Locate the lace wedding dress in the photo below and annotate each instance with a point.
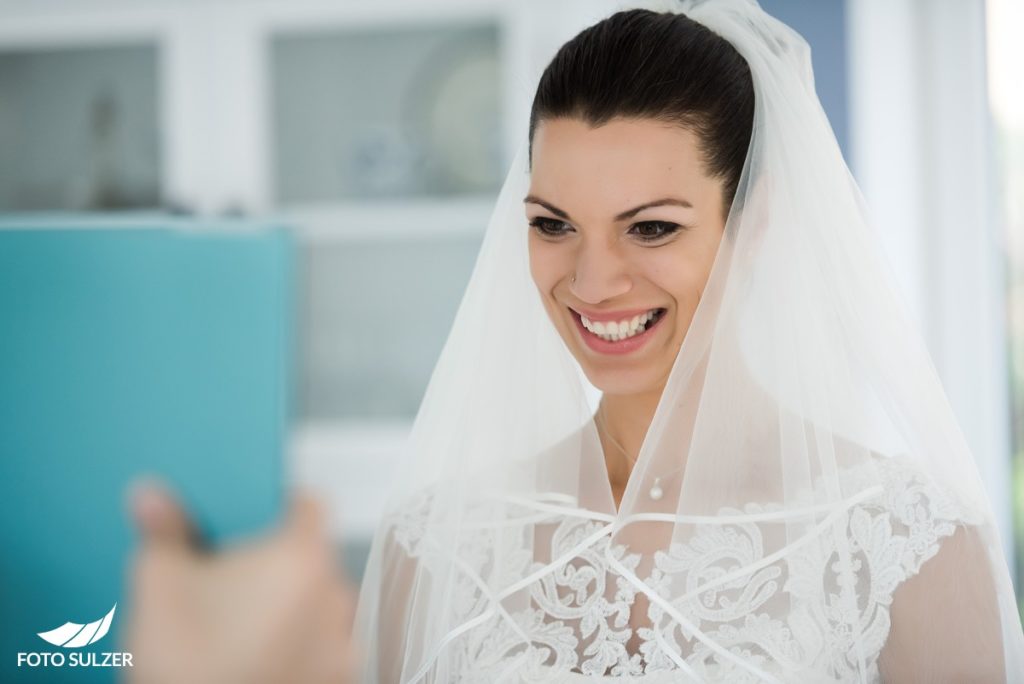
(582, 616)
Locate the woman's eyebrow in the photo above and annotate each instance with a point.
(533, 199)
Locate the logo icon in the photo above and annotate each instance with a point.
(74, 635)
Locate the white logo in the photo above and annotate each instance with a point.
(73, 635)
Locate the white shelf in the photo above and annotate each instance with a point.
(390, 220)
(215, 123)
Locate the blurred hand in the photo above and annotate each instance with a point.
(266, 610)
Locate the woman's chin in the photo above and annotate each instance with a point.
(624, 381)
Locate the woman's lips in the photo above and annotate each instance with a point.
(626, 346)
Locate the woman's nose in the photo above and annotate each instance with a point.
(601, 273)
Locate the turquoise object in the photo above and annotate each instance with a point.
(130, 345)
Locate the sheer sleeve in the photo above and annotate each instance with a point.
(946, 624)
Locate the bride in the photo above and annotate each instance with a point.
(771, 486)
(682, 429)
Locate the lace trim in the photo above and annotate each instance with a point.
(800, 615)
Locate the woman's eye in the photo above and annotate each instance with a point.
(548, 227)
(654, 230)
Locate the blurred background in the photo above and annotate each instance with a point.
(234, 234)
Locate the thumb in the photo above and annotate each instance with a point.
(159, 517)
(307, 513)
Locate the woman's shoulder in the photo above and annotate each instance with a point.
(907, 510)
(481, 492)
(942, 615)
(912, 492)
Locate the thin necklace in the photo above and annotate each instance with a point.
(655, 490)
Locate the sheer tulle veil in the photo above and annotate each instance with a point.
(818, 501)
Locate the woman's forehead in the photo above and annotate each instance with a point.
(632, 139)
(625, 160)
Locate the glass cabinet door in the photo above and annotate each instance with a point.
(385, 113)
(375, 315)
(79, 129)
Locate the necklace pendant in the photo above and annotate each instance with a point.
(656, 492)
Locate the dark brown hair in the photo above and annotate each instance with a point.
(659, 65)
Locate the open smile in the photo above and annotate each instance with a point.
(618, 336)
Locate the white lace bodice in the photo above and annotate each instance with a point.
(791, 615)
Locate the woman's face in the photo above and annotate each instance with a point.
(628, 210)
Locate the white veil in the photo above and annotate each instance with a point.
(821, 516)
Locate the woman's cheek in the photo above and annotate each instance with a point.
(545, 267)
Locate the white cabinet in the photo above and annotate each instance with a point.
(380, 131)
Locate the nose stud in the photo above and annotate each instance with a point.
(573, 278)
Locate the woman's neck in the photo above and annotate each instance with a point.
(623, 420)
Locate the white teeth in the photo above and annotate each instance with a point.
(614, 331)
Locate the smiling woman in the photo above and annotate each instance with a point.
(599, 270)
(614, 256)
(772, 486)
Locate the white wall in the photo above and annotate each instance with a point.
(921, 132)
